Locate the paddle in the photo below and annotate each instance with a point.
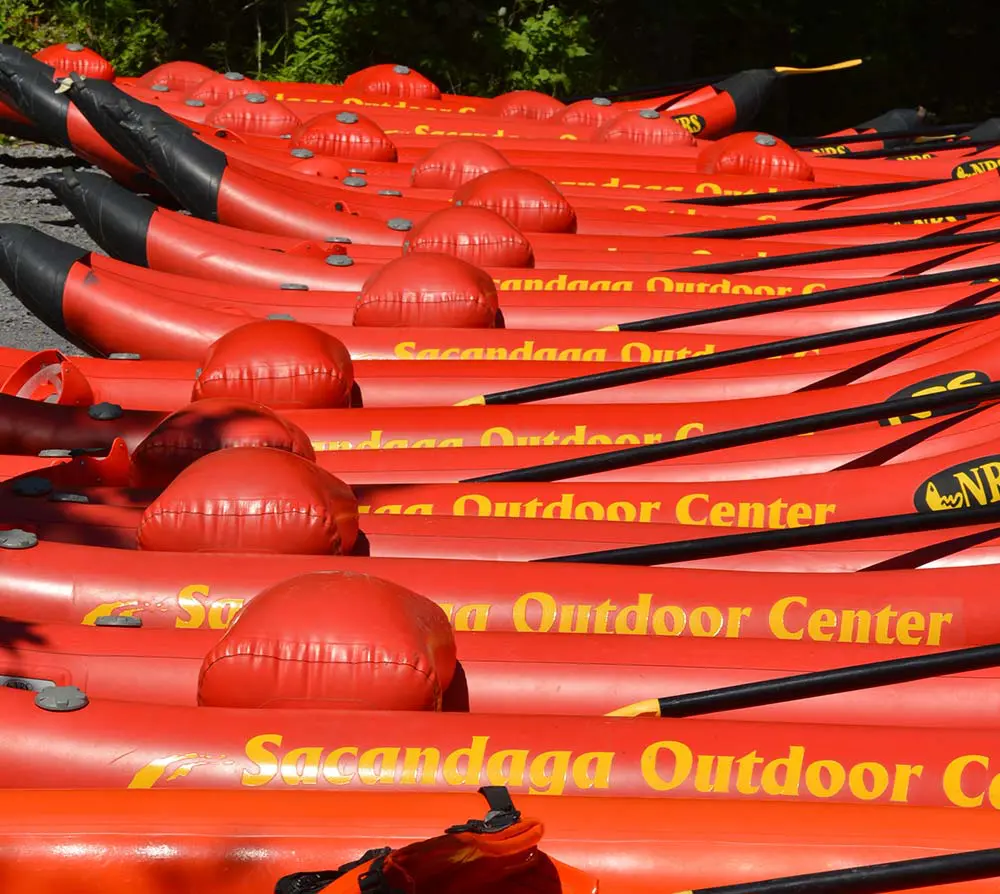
(821, 298)
(763, 541)
(629, 457)
(815, 684)
(647, 372)
(788, 70)
(877, 136)
(923, 147)
(843, 253)
(875, 878)
(816, 192)
(896, 215)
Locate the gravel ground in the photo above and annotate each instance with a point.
(23, 201)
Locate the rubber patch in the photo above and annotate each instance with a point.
(61, 699)
(15, 538)
(105, 411)
(118, 621)
(60, 496)
(31, 486)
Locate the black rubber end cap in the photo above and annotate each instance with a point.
(988, 130)
(28, 86)
(116, 116)
(116, 219)
(35, 267)
(896, 119)
(749, 91)
(151, 139)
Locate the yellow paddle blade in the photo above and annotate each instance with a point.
(837, 66)
(648, 708)
(478, 401)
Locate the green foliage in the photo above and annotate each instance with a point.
(129, 35)
(931, 53)
(547, 49)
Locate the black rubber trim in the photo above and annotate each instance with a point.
(35, 267)
(116, 219)
(749, 91)
(147, 136)
(988, 130)
(28, 86)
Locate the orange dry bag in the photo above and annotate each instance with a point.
(495, 855)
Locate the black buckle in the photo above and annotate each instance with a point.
(501, 815)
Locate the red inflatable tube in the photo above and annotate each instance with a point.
(788, 457)
(33, 426)
(511, 673)
(246, 201)
(169, 238)
(547, 310)
(964, 478)
(108, 321)
(596, 174)
(947, 608)
(113, 744)
(387, 534)
(168, 385)
(953, 480)
(641, 252)
(589, 309)
(124, 842)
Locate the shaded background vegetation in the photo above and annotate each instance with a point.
(943, 55)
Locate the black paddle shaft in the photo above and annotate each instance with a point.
(898, 215)
(763, 541)
(877, 878)
(628, 457)
(830, 682)
(648, 372)
(764, 306)
(844, 253)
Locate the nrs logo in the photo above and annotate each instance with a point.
(948, 382)
(968, 485)
(693, 124)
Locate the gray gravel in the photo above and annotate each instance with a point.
(21, 201)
